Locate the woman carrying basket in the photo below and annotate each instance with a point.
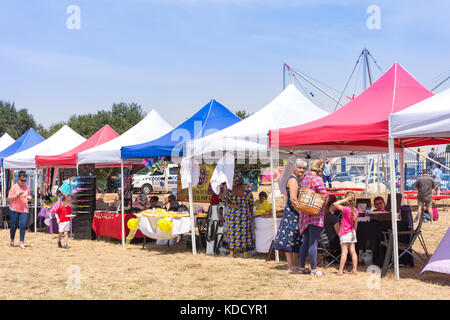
(311, 225)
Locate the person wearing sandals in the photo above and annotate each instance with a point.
(311, 226)
(239, 202)
(288, 237)
(347, 234)
(18, 197)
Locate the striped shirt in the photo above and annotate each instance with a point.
(317, 186)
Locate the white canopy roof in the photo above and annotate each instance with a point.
(5, 141)
(289, 108)
(151, 127)
(428, 118)
(63, 140)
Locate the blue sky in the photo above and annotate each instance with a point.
(175, 55)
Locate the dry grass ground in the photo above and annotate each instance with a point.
(110, 271)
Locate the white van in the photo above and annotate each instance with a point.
(145, 182)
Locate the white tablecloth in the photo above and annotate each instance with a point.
(264, 233)
(149, 227)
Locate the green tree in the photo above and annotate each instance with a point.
(15, 122)
(242, 114)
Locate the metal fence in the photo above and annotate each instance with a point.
(375, 167)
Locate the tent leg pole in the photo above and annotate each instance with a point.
(394, 207)
(191, 214)
(122, 202)
(274, 214)
(4, 187)
(402, 174)
(35, 199)
(367, 175)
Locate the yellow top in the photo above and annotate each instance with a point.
(262, 207)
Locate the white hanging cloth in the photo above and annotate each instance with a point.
(189, 172)
(223, 172)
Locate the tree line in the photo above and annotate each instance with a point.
(121, 117)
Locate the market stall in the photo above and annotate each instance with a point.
(248, 140)
(61, 141)
(29, 139)
(210, 118)
(361, 125)
(108, 154)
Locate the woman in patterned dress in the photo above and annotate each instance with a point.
(288, 237)
(311, 226)
(239, 202)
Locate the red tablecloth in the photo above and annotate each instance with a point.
(109, 224)
(435, 197)
(346, 189)
(337, 194)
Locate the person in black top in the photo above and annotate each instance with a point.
(332, 223)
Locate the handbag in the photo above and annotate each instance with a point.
(311, 202)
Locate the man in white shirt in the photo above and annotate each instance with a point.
(437, 176)
(327, 173)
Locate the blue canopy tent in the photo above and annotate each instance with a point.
(26, 141)
(209, 119)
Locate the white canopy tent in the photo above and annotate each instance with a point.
(5, 141)
(63, 140)
(108, 154)
(424, 123)
(248, 139)
(289, 108)
(151, 127)
(428, 118)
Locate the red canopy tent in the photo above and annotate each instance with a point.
(362, 125)
(70, 158)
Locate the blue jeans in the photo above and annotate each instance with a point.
(20, 219)
(310, 242)
(325, 179)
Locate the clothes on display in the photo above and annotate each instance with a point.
(223, 172)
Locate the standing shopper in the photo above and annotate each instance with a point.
(327, 173)
(288, 237)
(437, 176)
(18, 197)
(424, 185)
(239, 202)
(311, 226)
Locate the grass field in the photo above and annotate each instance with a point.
(109, 271)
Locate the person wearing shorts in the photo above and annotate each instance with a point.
(62, 214)
(424, 185)
(347, 233)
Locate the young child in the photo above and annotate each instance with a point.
(262, 206)
(63, 221)
(347, 233)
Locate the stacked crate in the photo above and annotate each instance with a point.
(83, 206)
